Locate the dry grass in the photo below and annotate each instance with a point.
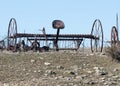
(22, 68)
(114, 52)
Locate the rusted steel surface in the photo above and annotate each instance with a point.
(2, 44)
(18, 35)
(60, 39)
(58, 24)
(114, 36)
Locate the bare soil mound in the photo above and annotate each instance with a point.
(58, 69)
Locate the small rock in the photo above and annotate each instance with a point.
(86, 81)
(107, 83)
(35, 71)
(109, 79)
(97, 72)
(72, 73)
(114, 83)
(24, 69)
(71, 84)
(84, 64)
(78, 77)
(116, 70)
(58, 85)
(50, 72)
(76, 85)
(60, 67)
(101, 68)
(41, 58)
(89, 72)
(6, 84)
(102, 79)
(56, 78)
(75, 67)
(87, 54)
(27, 74)
(91, 54)
(83, 76)
(90, 82)
(110, 75)
(32, 61)
(60, 77)
(68, 78)
(115, 77)
(103, 72)
(47, 63)
(39, 71)
(29, 70)
(119, 79)
(100, 71)
(46, 75)
(96, 68)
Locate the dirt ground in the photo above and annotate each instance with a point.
(63, 68)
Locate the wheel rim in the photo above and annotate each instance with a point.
(97, 32)
(114, 36)
(12, 31)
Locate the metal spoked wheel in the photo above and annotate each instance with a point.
(12, 31)
(114, 36)
(97, 32)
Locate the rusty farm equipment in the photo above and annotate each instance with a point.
(115, 34)
(45, 42)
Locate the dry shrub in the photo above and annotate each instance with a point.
(114, 52)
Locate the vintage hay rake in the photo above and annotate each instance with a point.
(55, 41)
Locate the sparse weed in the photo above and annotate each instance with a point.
(114, 52)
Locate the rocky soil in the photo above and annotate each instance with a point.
(64, 68)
